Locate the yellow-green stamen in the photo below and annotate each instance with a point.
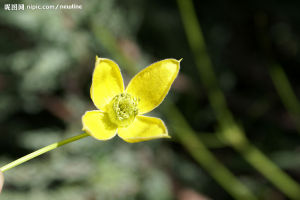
(123, 109)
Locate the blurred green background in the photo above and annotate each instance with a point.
(233, 112)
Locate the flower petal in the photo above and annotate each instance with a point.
(152, 84)
(107, 82)
(97, 124)
(144, 128)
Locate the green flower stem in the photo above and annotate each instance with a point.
(41, 151)
(230, 130)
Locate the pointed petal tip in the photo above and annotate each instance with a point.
(97, 61)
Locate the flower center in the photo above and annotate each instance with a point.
(123, 109)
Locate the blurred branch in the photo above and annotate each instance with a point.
(204, 157)
(183, 131)
(279, 77)
(286, 92)
(229, 129)
(211, 140)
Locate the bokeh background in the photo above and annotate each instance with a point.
(233, 112)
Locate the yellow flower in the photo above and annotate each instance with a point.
(120, 111)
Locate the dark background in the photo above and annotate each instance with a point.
(46, 63)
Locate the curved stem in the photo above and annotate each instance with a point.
(41, 151)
